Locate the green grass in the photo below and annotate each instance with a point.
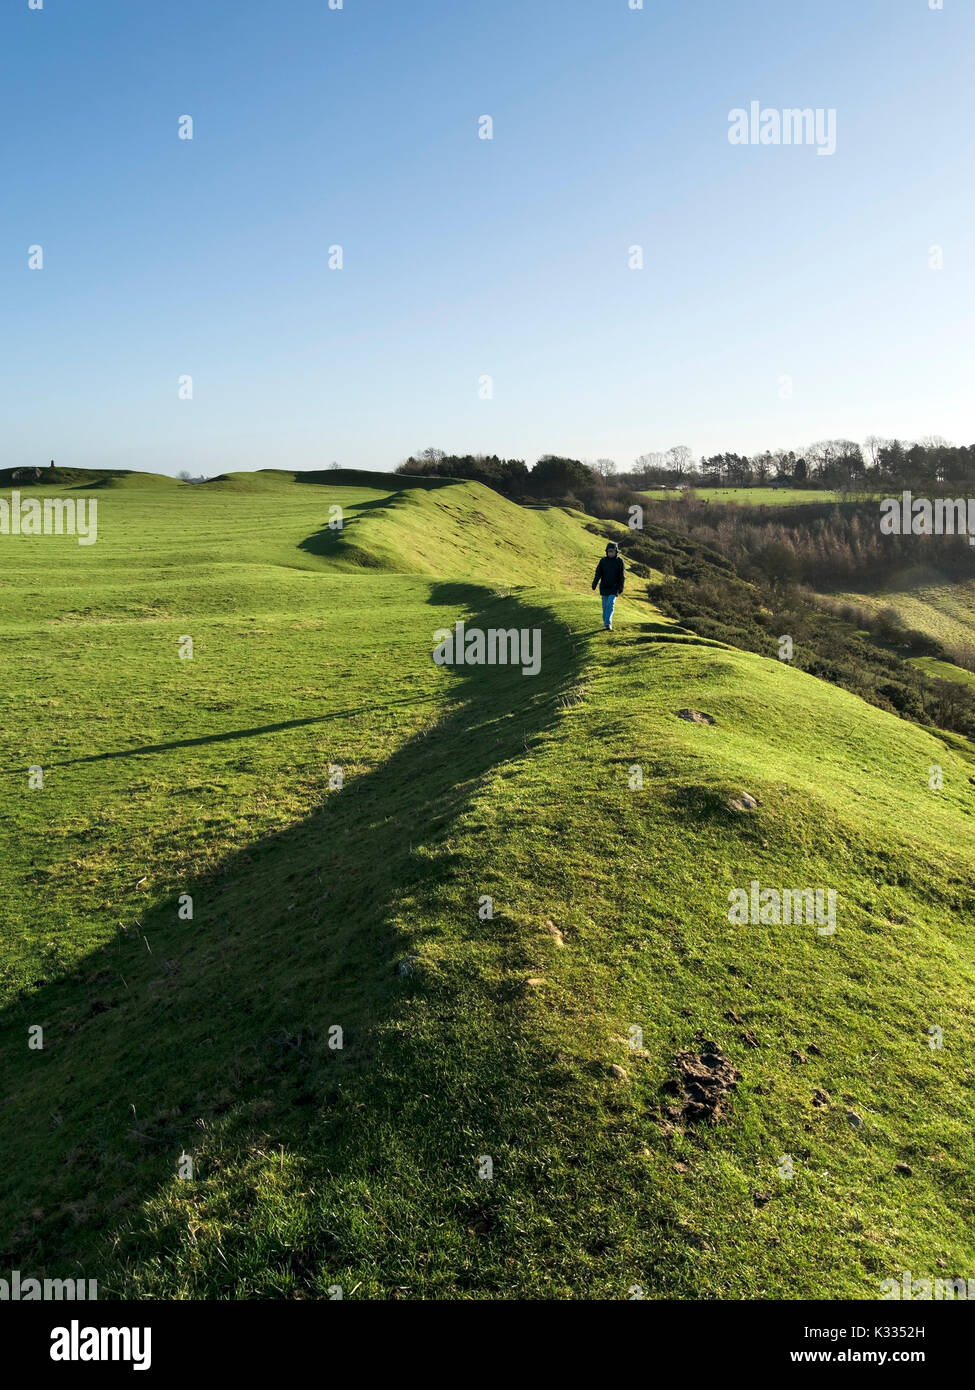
(359, 1167)
(752, 496)
(943, 670)
(927, 602)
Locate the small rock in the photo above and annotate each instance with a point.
(761, 1198)
(797, 1056)
(618, 1072)
(745, 802)
(535, 982)
(680, 1167)
(695, 716)
(904, 1169)
(820, 1097)
(855, 1120)
(554, 932)
(813, 1050)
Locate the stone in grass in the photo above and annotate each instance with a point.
(855, 1120)
(617, 1072)
(905, 1170)
(695, 716)
(744, 802)
(407, 966)
(553, 931)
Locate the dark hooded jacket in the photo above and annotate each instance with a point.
(609, 575)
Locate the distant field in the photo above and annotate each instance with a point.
(943, 670)
(927, 603)
(946, 611)
(752, 496)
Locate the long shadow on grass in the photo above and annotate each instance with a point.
(230, 735)
(212, 1036)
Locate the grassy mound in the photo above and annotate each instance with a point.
(88, 478)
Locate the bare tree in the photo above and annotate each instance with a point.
(655, 459)
(679, 458)
(762, 464)
(872, 446)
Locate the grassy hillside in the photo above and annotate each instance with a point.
(944, 670)
(929, 603)
(466, 1036)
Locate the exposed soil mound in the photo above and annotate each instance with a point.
(704, 1082)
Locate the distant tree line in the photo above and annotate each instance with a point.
(928, 467)
(836, 464)
(551, 478)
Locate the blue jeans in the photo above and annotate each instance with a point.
(609, 603)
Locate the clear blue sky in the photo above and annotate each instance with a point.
(466, 257)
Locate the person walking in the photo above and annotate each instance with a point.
(610, 576)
